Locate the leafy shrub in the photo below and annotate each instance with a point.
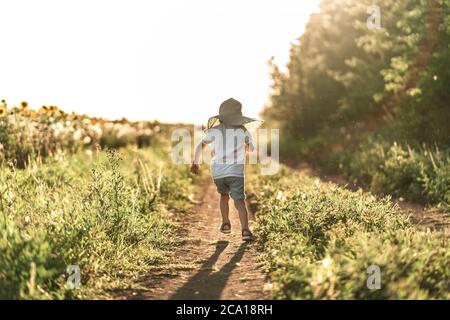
(340, 78)
(421, 175)
(318, 241)
(91, 211)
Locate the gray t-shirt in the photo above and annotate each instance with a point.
(228, 150)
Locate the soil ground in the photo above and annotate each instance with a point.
(208, 264)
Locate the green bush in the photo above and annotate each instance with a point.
(421, 175)
(96, 212)
(340, 78)
(318, 241)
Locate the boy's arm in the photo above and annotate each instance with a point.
(249, 146)
(195, 168)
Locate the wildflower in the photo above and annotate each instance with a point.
(87, 140)
(280, 196)
(326, 262)
(54, 214)
(59, 126)
(77, 135)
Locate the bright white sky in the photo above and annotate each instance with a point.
(171, 60)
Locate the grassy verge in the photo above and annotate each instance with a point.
(421, 175)
(319, 240)
(107, 213)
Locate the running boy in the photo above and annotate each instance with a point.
(229, 141)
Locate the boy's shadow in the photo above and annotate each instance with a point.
(206, 284)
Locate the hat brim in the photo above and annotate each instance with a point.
(233, 120)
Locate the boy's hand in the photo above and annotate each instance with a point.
(195, 168)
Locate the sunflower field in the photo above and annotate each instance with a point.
(27, 134)
(86, 195)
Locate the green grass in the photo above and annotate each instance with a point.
(420, 175)
(318, 240)
(108, 213)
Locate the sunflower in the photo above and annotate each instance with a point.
(72, 116)
(23, 105)
(53, 110)
(2, 111)
(43, 110)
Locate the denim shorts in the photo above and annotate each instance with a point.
(234, 186)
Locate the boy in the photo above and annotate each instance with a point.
(230, 141)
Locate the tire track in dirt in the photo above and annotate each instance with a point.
(216, 266)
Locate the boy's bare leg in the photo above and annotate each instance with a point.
(243, 216)
(224, 208)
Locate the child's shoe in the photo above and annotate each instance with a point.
(247, 235)
(225, 227)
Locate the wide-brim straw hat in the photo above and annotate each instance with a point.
(230, 113)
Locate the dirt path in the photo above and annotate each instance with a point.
(209, 264)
